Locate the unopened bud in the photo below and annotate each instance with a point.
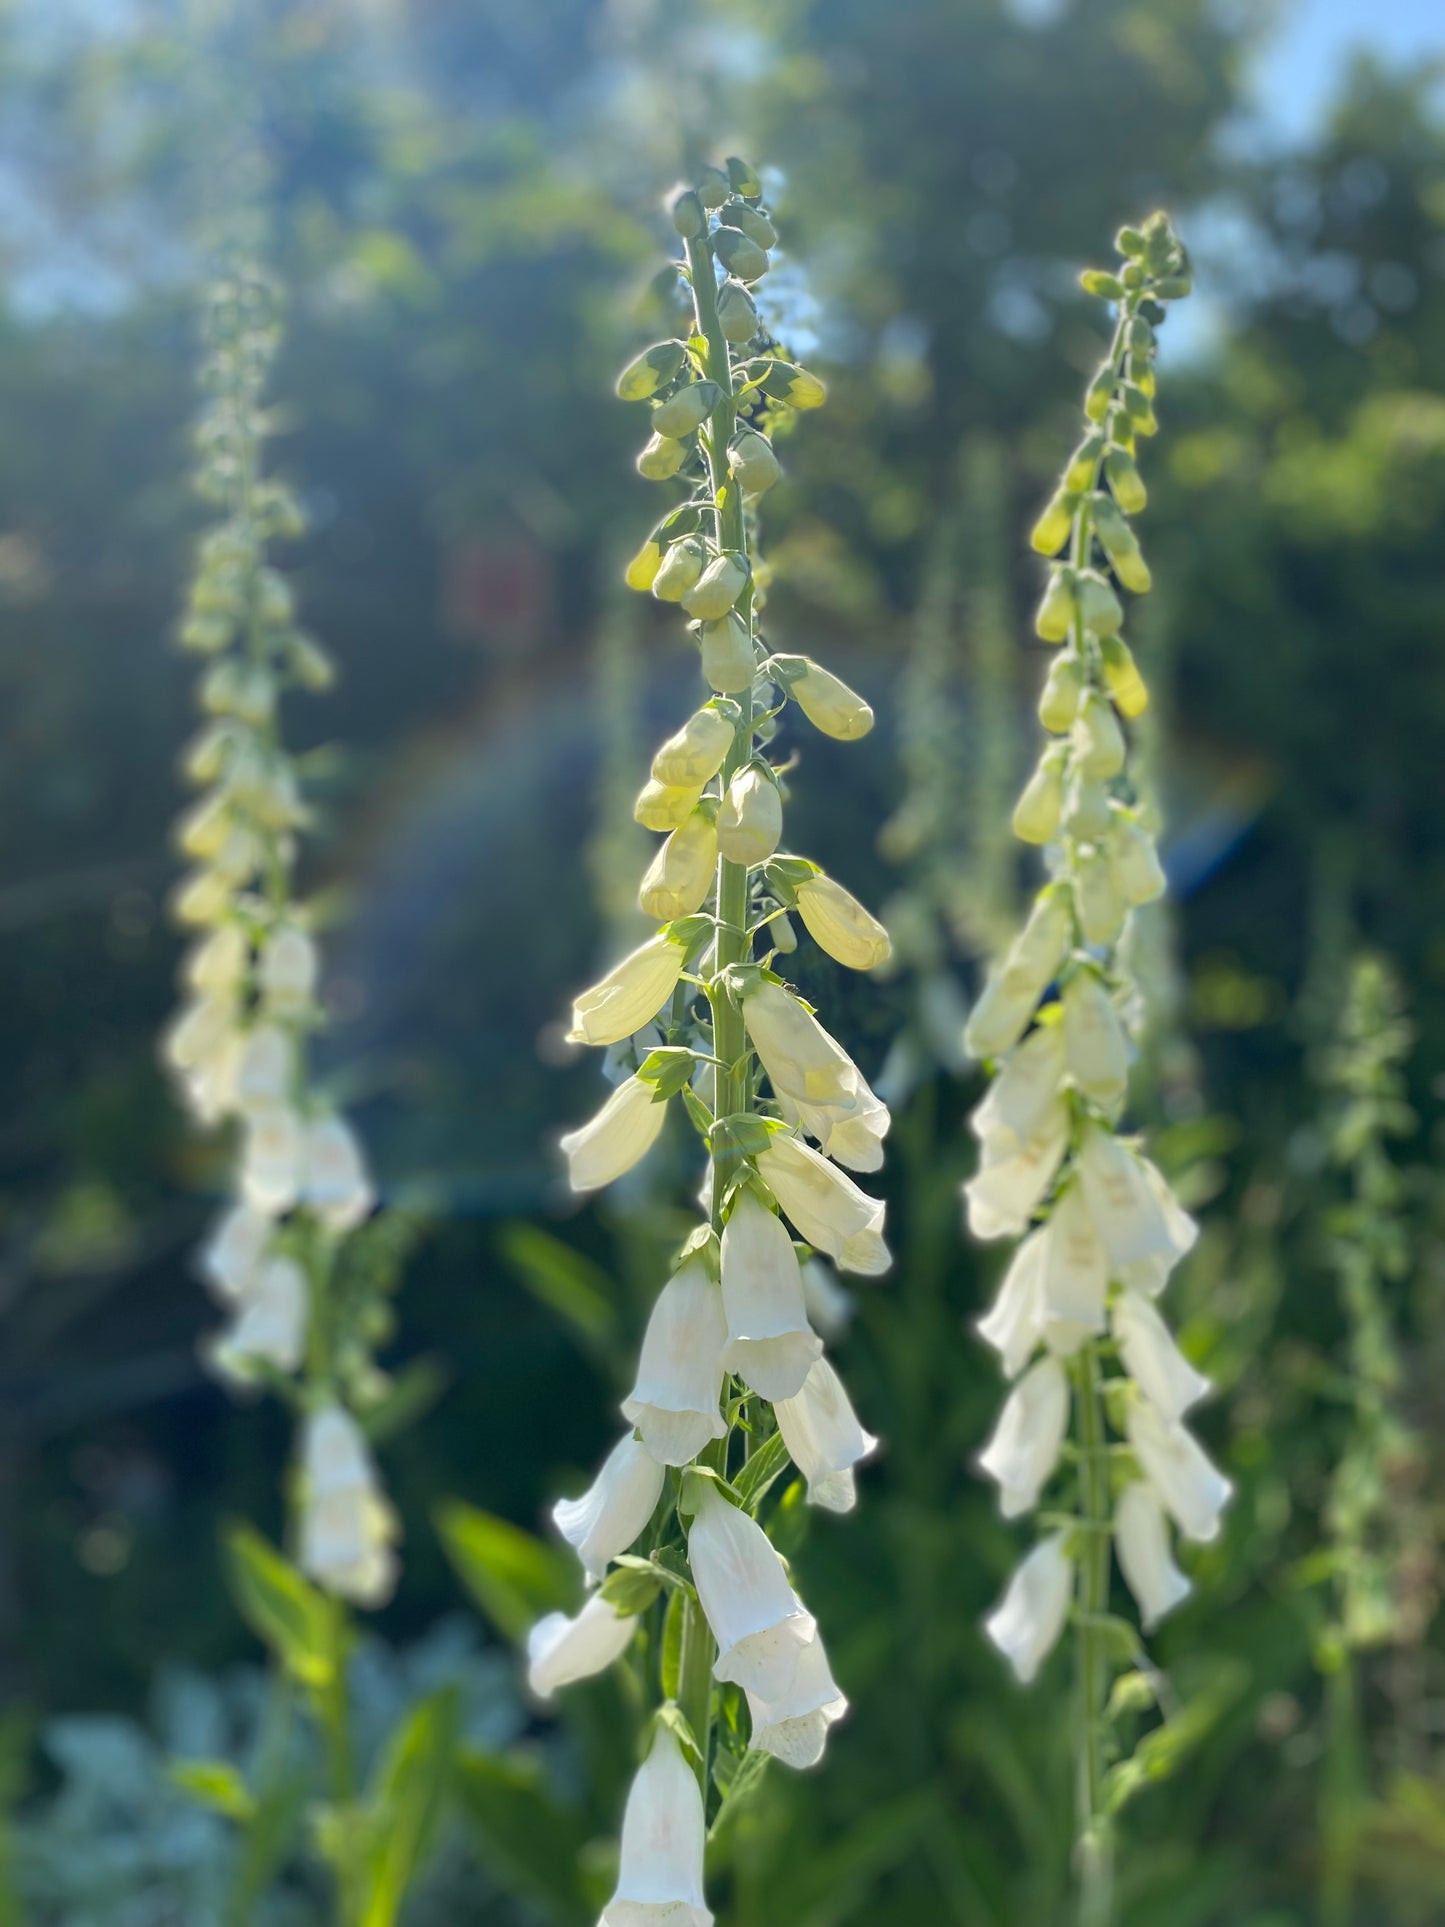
(687, 410)
(713, 187)
(688, 215)
(1122, 678)
(206, 635)
(697, 751)
(1059, 698)
(751, 221)
(1136, 861)
(1037, 812)
(681, 567)
(681, 874)
(781, 934)
(1130, 241)
(717, 588)
(661, 458)
(750, 822)
(739, 255)
(1121, 546)
(641, 571)
(787, 382)
(736, 312)
(1099, 745)
(1124, 479)
(1100, 608)
(1097, 281)
(1087, 808)
(1084, 464)
(1140, 407)
(659, 806)
(1099, 394)
(742, 178)
(827, 702)
(651, 370)
(752, 461)
(1052, 530)
(728, 656)
(1098, 899)
(1055, 614)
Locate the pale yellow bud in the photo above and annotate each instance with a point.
(203, 897)
(203, 830)
(1098, 897)
(1088, 813)
(685, 411)
(1037, 812)
(717, 588)
(660, 808)
(1136, 860)
(630, 995)
(737, 312)
(839, 924)
(661, 458)
(829, 704)
(752, 462)
(1012, 993)
(1059, 699)
(750, 822)
(695, 753)
(681, 874)
(680, 568)
(1122, 678)
(728, 657)
(1098, 740)
(641, 571)
(219, 963)
(1096, 1052)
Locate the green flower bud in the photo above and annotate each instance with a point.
(1173, 287)
(1059, 698)
(681, 567)
(1133, 276)
(1121, 546)
(1130, 241)
(688, 215)
(752, 461)
(742, 178)
(1101, 609)
(785, 381)
(1141, 408)
(1140, 336)
(728, 656)
(1037, 812)
(1084, 464)
(739, 255)
(641, 571)
(717, 588)
(206, 634)
(1054, 526)
(308, 662)
(750, 221)
(1124, 478)
(651, 370)
(825, 699)
(1100, 393)
(1122, 678)
(737, 312)
(206, 755)
(1120, 427)
(1136, 861)
(1087, 809)
(661, 458)
(1098, 281)
(782, 936)
(687, 410)
(713, 187)
(1055, 615)
(1099, 746)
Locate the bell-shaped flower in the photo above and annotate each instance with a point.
(770, 1344)
(1075, 1276)
(717, 588)
(1026, 1623)
(1098, 899)
(338, 1185)
(290, 965)
(199, 1030)
(696, 753)
(853, 1137)
(217, 965)
(1029, 1435)
(1192, 1488)
(1127, 1212)
(759, 1625)
(348, 1528)
(1152, 1359)
(1136, 861)
(830, 1305)
(270, 1325)
(674, 1403)
(1098, 1055)
(610, 1514)
(802, 1061)
(265, 1071)
(839, 924)
(1023, 1093)
(827, 1209)
(1141, 1539)
(1007, 1190)
(827, 702)
(1012, 993)
(660, 808)
(1150, 1275)
(823, 1437)
(619, 1136)
(729, 659)
(231, 1256)
(630, 995)
(794, 1729)
(681, 874)
(659, 1878)
(1013, 1325)
(561, 1650)
(750, 822)
(273, 1160)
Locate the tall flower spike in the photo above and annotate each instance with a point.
(1101, 1231)
(731, 1367)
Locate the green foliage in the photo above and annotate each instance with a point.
(513, 1577)
(299, 1624)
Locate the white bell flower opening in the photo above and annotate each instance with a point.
(1013, 1325)
(1191, 1487)
(674, 1403)
(851, 1137)
(827, 1209)
(1097, 1050)
(1153, 1359)
(659, 1878)
(1026, 1088)
(1150, 1275)
(794, 1729)
(270, 1325)
(823, 1437)
(348, 1528)
(759, 1625)
(1075, 1278)
(618, 1137)
(1007, 1189)
(1141, 1539)
(802, 1061)
(273, 1160)
(563, 1649)
(231, 1256)
(337, 1185)
(1127, 1214)
(630, 995)
(610, 1514)
(1027, 1440)
(770, 1344)
(1026, 1623)
(838, 923)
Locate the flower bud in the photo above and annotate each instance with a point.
(752, 221)
(1026, 1623)
(608, 1517)
(681, 874)
(787, 382)
(1098, 897)
(1122, 678)
(839, 924)
(740, 256)
(1138, 395)
(630, 995)
(618, 1137)
(1099, 394)
(1136, 860)
(752, 461)
(206, 755)
(661, 458)
(1106, 286)
(641, 571)
(561, 1651)
(1101, 609)
(1099, 747)
(750, 822)
(1124, 479)
(828, 703)
(717, 588)
(1097, 1054)
(688, 217)
(289, 968)
(659, 807)
(686, 410)
(688, 759)
(1088, 808)
(651, 370)
(1025, 1446)
(713, 187)
(681, 566)
(737, 312)
(1121, 546)
(1055, 615)
(1037, 812)
(1059, 698)
(203, 830)
(782, 935)
(1012, 992)
(1054, 526)
(729, 659)
(1083, 464)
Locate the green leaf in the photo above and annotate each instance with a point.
(296, 1621)
(671, 1658)
(1161, 1750)
(412, 1393)
(216, 1784)
(631, 1589)
(560, 1278)
(513, 1577)
(763, 1467)
(671, 1715)
(530, 1844)
(409, 1791)
(738, 1794)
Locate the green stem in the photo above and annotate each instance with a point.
(694, 1690)
(1342, 1794)
(1094, 1844)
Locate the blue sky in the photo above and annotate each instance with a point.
(1300, 68)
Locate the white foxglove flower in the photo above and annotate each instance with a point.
(759, 1625)
(1152, 1359)
(770, 1344)
(1021, 1097)
(802, 1061)
(1013, 1325)
(696, 753)
(829, 704)
(674, 1403)
(348, 1528)
(270, 1325)
(827, 1209)
(1025, 1445)
(1136, 861)
(681, 874)
(750, 822)
(610, 1514)
(659, 1879)
(829, 1306)
(1141, 1539)
(199, 1030)
(561, 1650)
(1008, 1189)
(1127, 1213)
(1150, 1275)
(630, 995)
(1012, 993)
(794, 1729)
(823, 1437)
(853, 1137)
(265, 1071)
(290, 966)
(839, 924)
(337, 1185)
(1098, 1054)
(1190, 1485)
(1075, 1277)
(619, 1136)
(1026, 1623)
(273, 1160)
(217, 965)
(232, 1254)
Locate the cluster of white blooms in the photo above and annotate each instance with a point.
(731, 1383)
(237, 1046)
(1076, 1321)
